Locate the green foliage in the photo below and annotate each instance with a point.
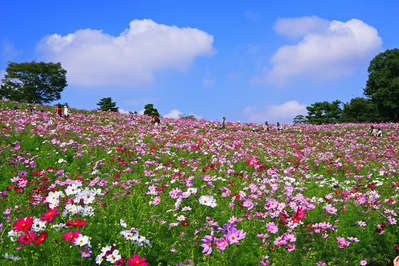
(299, 119)
(189, 117)
(33, 82)
(324, 112)
(150, 110)
(106, 104)
(383, 84)
(359, 110)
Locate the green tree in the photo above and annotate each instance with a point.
(324, 112)
(359, 110)
(189, 117)
(33, 82)
(106, 104)
(150, 110)
(383, 84)
(299, 119)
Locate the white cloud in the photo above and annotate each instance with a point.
(326, 50)
(122, 111)
(283, 113)
(299, 27)
(95, 58)
(175, 114)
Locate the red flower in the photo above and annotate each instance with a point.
(136, 261)
(75, 223)
(49, 215)
(23, 224)
(184, 223)
(70, 236)
(27, 237)
(40, 239)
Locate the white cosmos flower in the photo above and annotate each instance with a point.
(87, 211)
(72, 190)
(38, 225)
(192, 190)
(186, 208)
(122, 223)
(181, 218)
(114, 256)
(208, 201)
(82, 240)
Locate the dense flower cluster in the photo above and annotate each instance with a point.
(191, 188)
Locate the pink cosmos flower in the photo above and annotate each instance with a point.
(136, 260)
(221, 243)
(271, 227)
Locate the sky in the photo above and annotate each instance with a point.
(250, 61)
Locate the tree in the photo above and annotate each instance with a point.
(150, 110)
(189, 117)
(299, 119)
(33, 82)
(106, 104)
(382, 87)
(359, 110)
(324, 112)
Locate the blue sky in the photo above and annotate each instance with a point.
(250, 61)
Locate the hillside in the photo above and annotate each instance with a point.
(102, 187)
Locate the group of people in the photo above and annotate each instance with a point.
(62, 112)
(376, 132)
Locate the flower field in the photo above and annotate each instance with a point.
(103, 188)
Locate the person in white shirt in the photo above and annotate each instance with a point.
(66, 111)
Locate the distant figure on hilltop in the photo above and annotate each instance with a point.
(223, 122)
(155, 120)
(373, 131)
(58, 110)
(66, 111)
(266, 126)
(379, 132)
(279, 127)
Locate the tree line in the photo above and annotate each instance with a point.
(379, 104)
(39, 82)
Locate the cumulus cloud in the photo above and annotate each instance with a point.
(94, 58)
(175, 114)
(299, 27)
(326, 50)
(283, 113)
(122, 111)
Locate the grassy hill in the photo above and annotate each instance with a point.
(102, 187)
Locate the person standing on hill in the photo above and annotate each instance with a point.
(58, 110)
(155, 120)
(266, 126)
(279, 128)
(223, 122)
(379, 132)
(66, 111)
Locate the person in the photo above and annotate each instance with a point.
(156, 120)
(266, 126)
(279, 128)
(58, 110)
(131, 114)
(223, 122)
(371, 130)
(396, 261)
(66, 111)
(379, 132)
